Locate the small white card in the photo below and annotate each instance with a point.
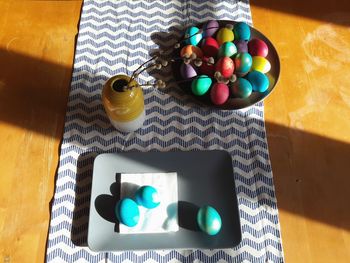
(164, 217)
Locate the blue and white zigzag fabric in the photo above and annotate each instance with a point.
(116, 37)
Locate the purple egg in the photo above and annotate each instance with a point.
(242, 46)
(210, 28)
(187, 71)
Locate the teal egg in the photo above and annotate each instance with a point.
(147, 196)
(241, 88)
(194, 37)
(201, 85)
(227, 49)
(209, 220)
(243, 62)
(241, 31)
(259, 81)
(127, 212)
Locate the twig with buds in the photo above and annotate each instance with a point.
(187, 59)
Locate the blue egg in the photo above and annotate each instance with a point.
(127, 212)
(241, 88)
(209, 220)
(194, 38)
(147, 196)
(241, 31)
(259, 81)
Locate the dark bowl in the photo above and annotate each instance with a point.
(233, 103)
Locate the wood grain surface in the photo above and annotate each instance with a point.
(308, 125)
(36, 55)
(307, 122)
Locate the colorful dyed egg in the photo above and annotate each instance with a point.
(241, 31)
(189, 50)
(224, 35)
(259, 81)
(219, 93)
(257, 47)
(241, 45)
(147, 196)
(209, 220)
(227, 49)
(187, 71)
(241, 88)
(201, 85)
(261, 64)
(225, 66)
(127, 212)
(243, 63)
(192, 36)
(210, 47)
(210, 28)
(207, 69)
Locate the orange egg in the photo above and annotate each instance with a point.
(190, 49)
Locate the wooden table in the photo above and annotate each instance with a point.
(307, 122)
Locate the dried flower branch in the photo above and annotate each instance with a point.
(135, 72)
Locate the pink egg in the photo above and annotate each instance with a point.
(219, 93)
(257, 47)
(225, 66)
(210, 47)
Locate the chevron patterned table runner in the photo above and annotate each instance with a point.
(116, 37)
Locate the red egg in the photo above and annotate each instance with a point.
(207, 69)
(210, 47)
(219, 93)
(225, 66)
(257, 47)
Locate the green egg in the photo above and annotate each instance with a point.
(209, 220)
(227, 49)
(201, 85)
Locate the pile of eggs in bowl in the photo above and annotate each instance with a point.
(224, 62)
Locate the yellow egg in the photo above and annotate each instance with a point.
(224, 35)
(261, 64)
